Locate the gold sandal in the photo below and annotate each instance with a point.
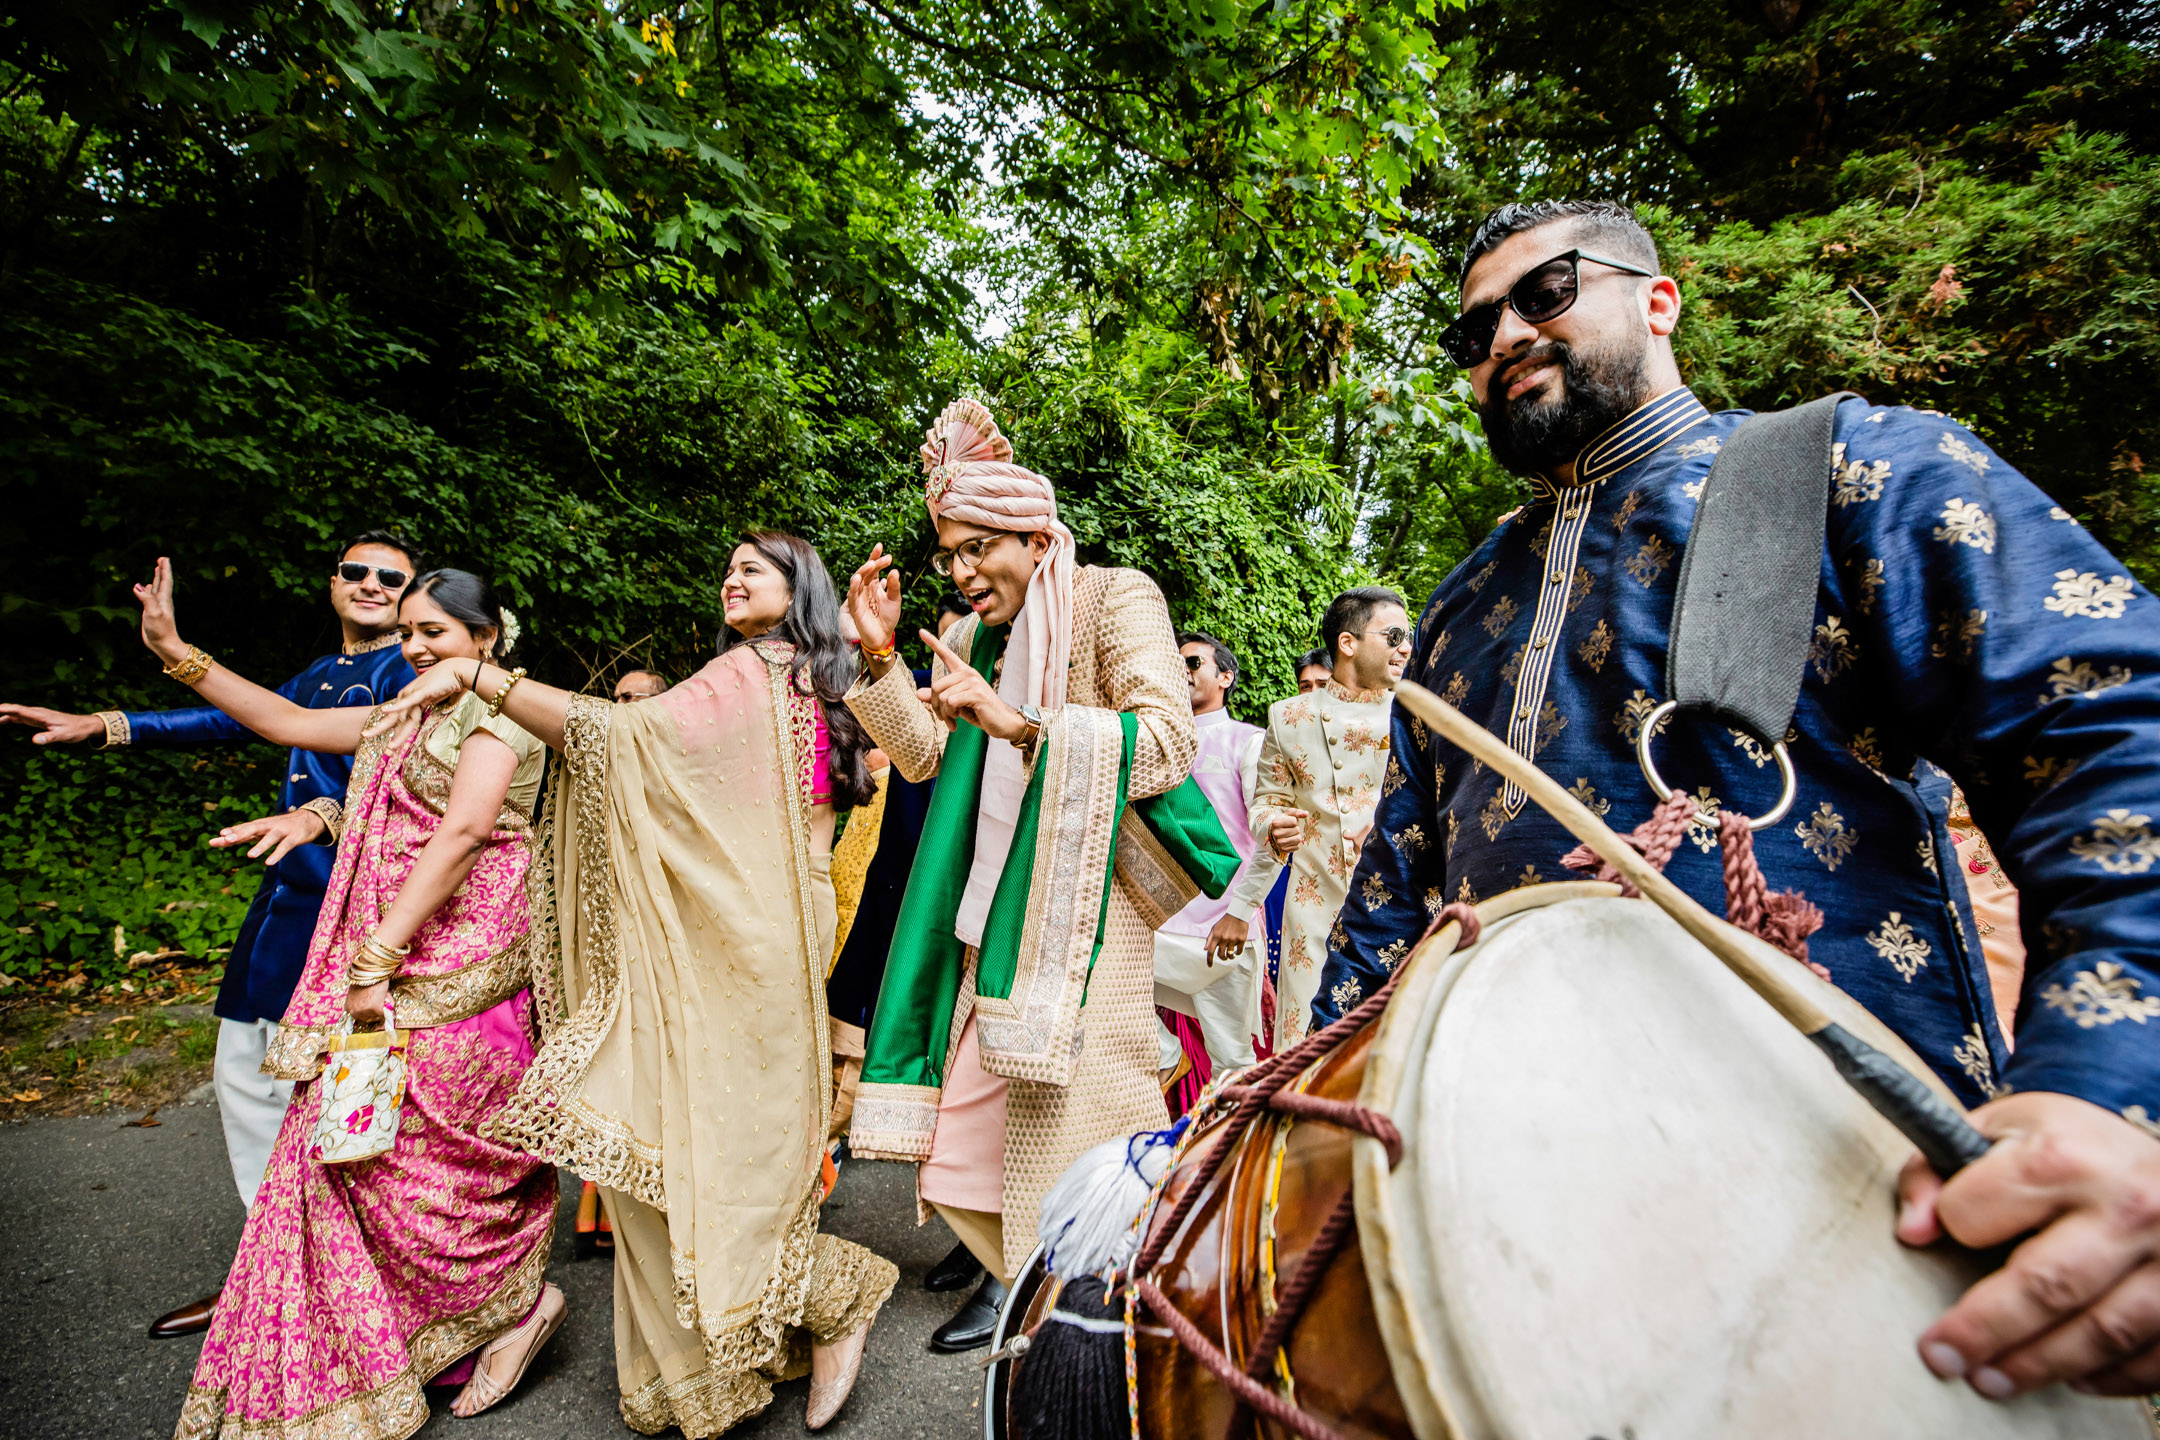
(827, 1396)
(534, 1331)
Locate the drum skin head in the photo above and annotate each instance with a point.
(1635, 1204)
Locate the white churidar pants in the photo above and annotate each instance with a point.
(1223, 997)
(250, 1104)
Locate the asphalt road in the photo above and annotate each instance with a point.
(103, 1227)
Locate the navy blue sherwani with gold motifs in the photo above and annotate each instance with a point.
(271, 948)
(1962, 620)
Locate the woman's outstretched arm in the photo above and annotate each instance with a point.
(267, 713)
(485, 769)
(539, 709)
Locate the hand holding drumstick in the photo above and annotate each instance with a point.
(2079, 1299)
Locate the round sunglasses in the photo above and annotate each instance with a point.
(1547, 292)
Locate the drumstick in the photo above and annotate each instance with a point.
(1935, 1125)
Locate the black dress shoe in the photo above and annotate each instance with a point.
(970, 1328)
(956, 1271)
(187, 1320)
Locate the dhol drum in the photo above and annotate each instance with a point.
(1631, 1202)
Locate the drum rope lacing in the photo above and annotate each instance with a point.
(1263, 1088)
(1785, 918)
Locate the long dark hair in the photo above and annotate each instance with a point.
(824, 661)
(466, 598)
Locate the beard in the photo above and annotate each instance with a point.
(1598, 389)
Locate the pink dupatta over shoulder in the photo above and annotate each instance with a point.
(471, 954)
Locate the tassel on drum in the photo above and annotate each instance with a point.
(1073, 1384)
(1087, 1218)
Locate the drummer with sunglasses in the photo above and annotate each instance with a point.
(1964, 622)
(267, 955)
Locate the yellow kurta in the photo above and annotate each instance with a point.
(1124, 658)
(851, 862)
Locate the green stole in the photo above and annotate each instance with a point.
(910, 1032)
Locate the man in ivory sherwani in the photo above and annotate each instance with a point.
(1322, 768)
(1015, 1027)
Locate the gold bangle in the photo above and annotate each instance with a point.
(360, 979)
(495, 707)
(374, 962)
(190, 667)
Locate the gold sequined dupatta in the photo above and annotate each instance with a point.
(684, 1011)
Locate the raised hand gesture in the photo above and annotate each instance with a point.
(160, 629)
(1286, 832)
(873, 600)
(961, 693)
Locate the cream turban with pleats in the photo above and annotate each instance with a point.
(971, 478)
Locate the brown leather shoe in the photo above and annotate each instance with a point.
(187, 1320)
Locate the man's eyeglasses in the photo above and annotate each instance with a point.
(1194, 662)
(968, 550)
(1394, 636)
(352, 572)
(1546, 293)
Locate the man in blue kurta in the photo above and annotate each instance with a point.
(1963, 622)
(271, 947)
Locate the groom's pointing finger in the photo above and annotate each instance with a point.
(953, 663)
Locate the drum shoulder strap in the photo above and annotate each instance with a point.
(1745, 609)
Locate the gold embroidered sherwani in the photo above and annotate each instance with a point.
(1325, 753)
(1124, 659)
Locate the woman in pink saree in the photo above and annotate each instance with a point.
(357, 1284)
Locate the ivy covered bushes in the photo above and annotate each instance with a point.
(572, 294)
(108, 870)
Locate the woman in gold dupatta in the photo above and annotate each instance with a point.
(684, 1063)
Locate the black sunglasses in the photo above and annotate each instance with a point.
(1546, 293)
(352, 572)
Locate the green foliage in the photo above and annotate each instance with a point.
(573, 294)
(1751, 111)
(2028, 309)
(1148, 442)
(1267, 147)
(107, 861)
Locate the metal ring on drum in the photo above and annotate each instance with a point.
(997, 1365)
(1789, 781)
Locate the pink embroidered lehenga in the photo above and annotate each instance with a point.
(356, 1284)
